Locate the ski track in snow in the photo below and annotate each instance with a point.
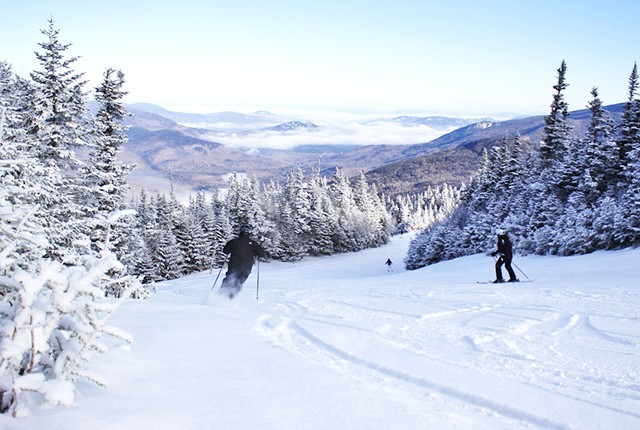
(529, 335)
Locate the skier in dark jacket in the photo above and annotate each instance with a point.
(506, 255)
(389, 263)
(243, 250)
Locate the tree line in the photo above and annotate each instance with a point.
(303, 216)
(572, 194)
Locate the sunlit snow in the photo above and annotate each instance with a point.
(341, 343)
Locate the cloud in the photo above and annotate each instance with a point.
(352, 133)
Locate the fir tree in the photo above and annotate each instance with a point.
(56, 128)
(628, 232)
(601, 149)
(296, 232)
(272, 203)
(60, 101)
(553, 147)
(556, 131)
(107, 176)
(346, 229)
(321, 216)
(237, 203)
(630, 120)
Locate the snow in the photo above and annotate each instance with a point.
(340, 343)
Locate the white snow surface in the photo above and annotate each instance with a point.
(340, 343)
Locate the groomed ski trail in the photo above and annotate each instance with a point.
(338, 342)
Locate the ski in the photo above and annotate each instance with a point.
(505, 282)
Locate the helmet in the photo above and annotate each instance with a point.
(501, 232)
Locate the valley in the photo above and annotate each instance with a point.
(197, 152)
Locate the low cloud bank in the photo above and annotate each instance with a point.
(377, 133)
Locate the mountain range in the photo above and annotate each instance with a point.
(192, 152)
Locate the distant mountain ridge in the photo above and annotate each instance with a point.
(454, 157)
(438, 122)
(164, 147)
(227, 119)
(293, 125)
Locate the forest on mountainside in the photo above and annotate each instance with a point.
(573, 195)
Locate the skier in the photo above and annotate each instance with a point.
(506, 255)
(243, 250)
(389, 263)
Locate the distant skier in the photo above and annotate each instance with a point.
(243, 251)
(389, 263)
(506, 255)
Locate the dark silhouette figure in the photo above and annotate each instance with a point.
(389, 263)
(506, 255)
(243, 251)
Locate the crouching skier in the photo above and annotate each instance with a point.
(243, 251)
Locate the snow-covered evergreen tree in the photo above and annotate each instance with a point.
(237, 202)
(272, 203)
(295, 229)
(346, 211)
(628, 229)
(167, 255)
(53, 316)
(602, 149)
(557, 132)
(322, 217)
(57, 127)
(629, 130)
(375, 223)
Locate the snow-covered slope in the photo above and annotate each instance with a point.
(340, 343)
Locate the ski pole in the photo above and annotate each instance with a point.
(219, 272)
(213, 263)
(258, 280)
(525, 275)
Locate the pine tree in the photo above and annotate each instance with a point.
(107, 177)
(21, 233)
(12, 95)
(168, 258)
(368, 222)
(221, 232)
(56, 128)
(236, 202)
(272, 203)
(602, 150)
(628, 232)
(346, 239)
(556, 131)
(295, 206)
(321, 216)
(380, 219)
(197, 249)
(167, 254)
(630, 120)
(553, 147)
(60, 101)
(260, 225)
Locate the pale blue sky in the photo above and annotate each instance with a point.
(457, 57)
